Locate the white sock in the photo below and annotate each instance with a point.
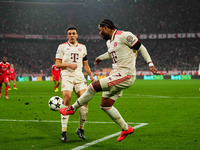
(114, 114)
(83, 116)
(86, 97)
(64, 121)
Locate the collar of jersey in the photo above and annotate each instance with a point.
(70, 44)
(113, 35)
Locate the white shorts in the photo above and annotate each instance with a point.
(116, 82)
(73, 83)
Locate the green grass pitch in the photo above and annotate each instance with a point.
(171, 109)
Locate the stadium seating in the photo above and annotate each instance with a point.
(141, 17)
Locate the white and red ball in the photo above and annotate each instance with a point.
(55, 103)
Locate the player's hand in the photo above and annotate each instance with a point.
(0, 74)
(92, 78)
(153, 69)
(97, 61)
(73, 66)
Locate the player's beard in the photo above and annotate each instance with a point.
(105, 36)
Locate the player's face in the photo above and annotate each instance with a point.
(104, 33)
(72, 36)
(12, 66)
(4, 59)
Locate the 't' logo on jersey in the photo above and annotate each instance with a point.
(74, 56)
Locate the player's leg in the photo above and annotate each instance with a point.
(109, 98)
(6, 90)
(6, 80)
(113, 113)
(66, 89)
(82, 116)
(15, 88)
(58, 83)
(64, 118)
(55, 85)
(94, 87)
(9, 84)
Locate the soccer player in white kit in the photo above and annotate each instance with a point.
(122, 48)
(71, 57)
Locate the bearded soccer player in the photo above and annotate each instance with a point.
(12, 77)
(122, 48)
(56, 77)
(71, 57)
(4, 72)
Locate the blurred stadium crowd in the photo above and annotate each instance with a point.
(139, 17)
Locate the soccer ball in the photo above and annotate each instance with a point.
(55, 103)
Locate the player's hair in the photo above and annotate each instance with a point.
(108, 23)
(71, 28)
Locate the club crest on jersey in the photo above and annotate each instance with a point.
(130, 39)
(79, 49)
(115, 44)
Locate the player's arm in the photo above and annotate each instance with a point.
(104, 56)
(132, 41)
(87, 68)
(140, 48)
(61, 65)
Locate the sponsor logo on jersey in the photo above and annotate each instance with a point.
(115, 44)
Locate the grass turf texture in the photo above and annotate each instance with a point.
(172, 109)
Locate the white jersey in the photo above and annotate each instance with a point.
(74, 54)
(119, 47)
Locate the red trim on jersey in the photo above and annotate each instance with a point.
(114, 34)
(68, 44)
(119, 32)
(118, 81)
(135, 43)
(59, 58)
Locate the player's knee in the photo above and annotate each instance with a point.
(96, 86)
(66, 96)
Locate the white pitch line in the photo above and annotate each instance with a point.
(105, 138)
(98, 122)
(155, 96)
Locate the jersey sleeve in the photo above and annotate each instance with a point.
(85, 51)
(59, 53)
(129, 39)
